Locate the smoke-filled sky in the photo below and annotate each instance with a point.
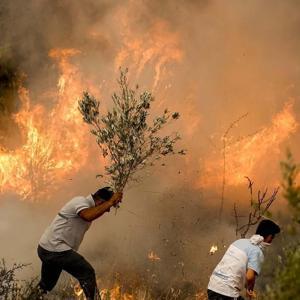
(213, 61)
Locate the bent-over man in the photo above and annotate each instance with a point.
(58, 245)
(241, 264)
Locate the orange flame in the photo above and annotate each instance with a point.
(115, 294)
(159, 47)
(243, 156)
(50, 138)
(55, 141)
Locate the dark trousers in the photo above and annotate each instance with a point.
(215, 296)
(70, 261)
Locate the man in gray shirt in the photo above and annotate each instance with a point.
(60, 241)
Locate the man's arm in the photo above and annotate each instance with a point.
(250, 282)
(92, 213)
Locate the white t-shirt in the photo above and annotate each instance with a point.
(229, 276)
(67, 229)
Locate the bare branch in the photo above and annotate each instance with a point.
(257, 210)
(250, 187)
(224, 139)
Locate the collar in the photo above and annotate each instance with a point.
(258, 240)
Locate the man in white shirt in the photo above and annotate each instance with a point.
(58, 245)
(241, 264)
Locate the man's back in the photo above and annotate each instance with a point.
(228, 278)
(67, 229)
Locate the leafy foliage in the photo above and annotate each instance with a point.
(291, 191)
(286, 284)
(123, 134)
(10, 287)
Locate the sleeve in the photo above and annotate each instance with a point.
(80, 203)
(255, 260)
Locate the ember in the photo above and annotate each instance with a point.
(153, 256)
(213, 249)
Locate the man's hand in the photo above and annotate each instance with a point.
(92, 213)
(116, 198)
(250, 294)
(250, 282)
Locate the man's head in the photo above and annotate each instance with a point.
(102, 195)
(268, 229)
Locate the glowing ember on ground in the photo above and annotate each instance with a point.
(213, 249)
(153, 256)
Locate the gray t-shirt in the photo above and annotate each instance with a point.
(67, 229)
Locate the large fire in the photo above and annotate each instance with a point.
(53, 144)
(158, 48)
(243, 156)
(54, 137)
(50, 137)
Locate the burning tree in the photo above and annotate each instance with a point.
(258, 209)
(124, 135)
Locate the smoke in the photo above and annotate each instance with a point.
(212, 61)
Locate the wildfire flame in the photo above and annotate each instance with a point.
(54, 141)
(50, 137)
(114, 293)
(158, 47)
(242, 157)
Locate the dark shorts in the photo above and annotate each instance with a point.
(53, 263)
(215, 296)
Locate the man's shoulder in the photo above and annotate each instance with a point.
(74, 200)
(241, 243)
(78, 198)
(78, 201)
(247, 246)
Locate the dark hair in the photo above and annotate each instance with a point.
(104, 193)
(267, 227)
